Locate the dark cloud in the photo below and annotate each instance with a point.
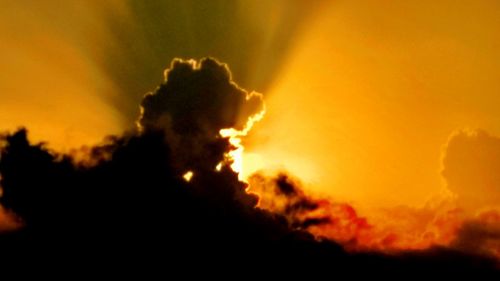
(128, 207)
(198, 98)
(480, 234)
(195, 102)
(282, 195)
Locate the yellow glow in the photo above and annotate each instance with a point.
(371, 92)
(273, 160)
(188, 176)
(218, 168)
(235, 156)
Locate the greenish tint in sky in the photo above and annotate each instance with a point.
(252, 37)
(75, 71)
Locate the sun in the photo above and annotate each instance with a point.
(235, 158)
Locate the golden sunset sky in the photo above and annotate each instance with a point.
(362, 96)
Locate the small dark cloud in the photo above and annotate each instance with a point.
(282, 194)
(480, 234)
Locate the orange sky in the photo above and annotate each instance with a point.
(371, 92)
(366, 97)
(49, 80)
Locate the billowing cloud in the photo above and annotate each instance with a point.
(480, 234)
(390, 230)
(131, 204)
(198, 97)
(284, 195)
(471, 168)
(196, 101)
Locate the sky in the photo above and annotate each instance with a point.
(103, 57)
(362, 97)
(372, 91)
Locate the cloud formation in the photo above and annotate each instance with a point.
(196, 101)
(480, 234)
(471, 168)
(131, 205)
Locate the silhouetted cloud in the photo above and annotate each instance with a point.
(195, 102)
(128, 203)
(480, 234)
(284, 195)
(198, 98)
